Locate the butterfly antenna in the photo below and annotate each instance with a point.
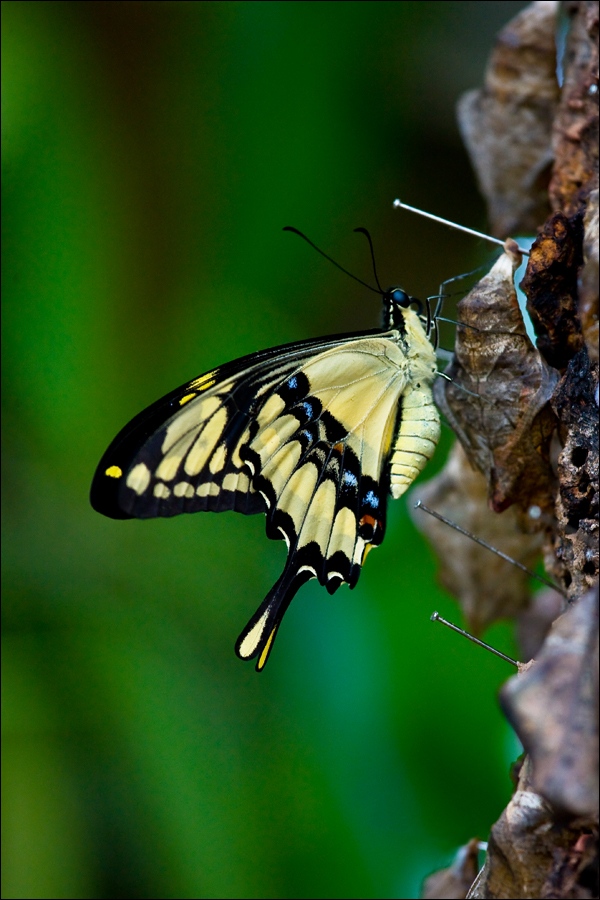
(346, 272)
(368, 237)
(437, 515)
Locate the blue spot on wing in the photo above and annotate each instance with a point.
(372, 499)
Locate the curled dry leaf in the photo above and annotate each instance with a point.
(576, 533)
(506, 428)
(532, 854)
(575, 132)
(507, 126)
(588, 279)
(550, 284)
(487, 587)
(553, 708)
(534, 623)
(454, 882)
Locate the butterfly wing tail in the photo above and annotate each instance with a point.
(258, 637)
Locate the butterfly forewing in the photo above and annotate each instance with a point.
(129, 445)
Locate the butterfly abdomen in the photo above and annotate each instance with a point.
(416, 438)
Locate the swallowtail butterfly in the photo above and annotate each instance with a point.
(313, 434)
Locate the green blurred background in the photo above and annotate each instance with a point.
(152, 153)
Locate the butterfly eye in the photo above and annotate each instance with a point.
(401, 298)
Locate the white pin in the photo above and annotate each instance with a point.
(486, 237)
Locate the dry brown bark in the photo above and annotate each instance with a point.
(525, 473)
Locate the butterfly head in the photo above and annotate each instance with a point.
(396, 302)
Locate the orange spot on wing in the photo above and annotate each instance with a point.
(369, 522)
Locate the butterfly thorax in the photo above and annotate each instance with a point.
(419, 349)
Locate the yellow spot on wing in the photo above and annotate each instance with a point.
(168, 467)
(298, 493)
(367, 550)
(230, 481)
(218, 459)
(272, 408)
(186, 399)
(204, 382)
(265, 653)
(271, 438)
(189, 420)
(319, 516)
(358, 551)
(114, 472)
(236, 481)
(208, 489)
(250, 642)
(281, 465)
(204, 446)
(139, 478)
(184, 489)
(343, 534)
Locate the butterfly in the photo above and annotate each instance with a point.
(314, 434)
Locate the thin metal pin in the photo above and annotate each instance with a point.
(486, 237)
(437, 515)
(435, 617)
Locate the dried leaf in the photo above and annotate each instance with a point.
(454, 882)
(575, 870)
(487, 587)
(505, 430)
(507, 126)
(533, 855)
(576, 533)
(575, 132)
(553, 709)
(588, 280)
(535, 622)
(550, 284)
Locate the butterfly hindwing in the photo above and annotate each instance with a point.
(321, 466)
